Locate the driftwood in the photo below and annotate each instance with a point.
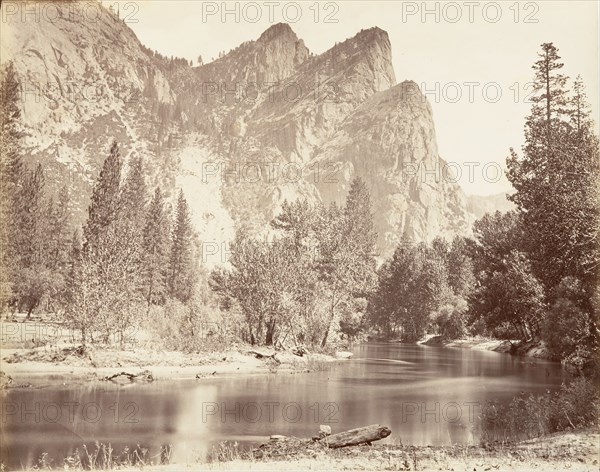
(285, 446)
(144, 376)
(261, 355)
(354, 437)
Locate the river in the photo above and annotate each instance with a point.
(426, 395)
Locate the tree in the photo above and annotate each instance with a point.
(58, 239)
(105, 293)
(29, 242)
(299, 282)
(568, 330)
(106, 199)
(549, 105)
(347, 263)
(312, 279)
(182, 264)
(11, 174)
(156, 246)
(134, 196)
(10, 114)
(556, 179)
(401, 304)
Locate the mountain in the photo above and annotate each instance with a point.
(266, 122)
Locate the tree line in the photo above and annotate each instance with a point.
(527, 274)
(130, 256)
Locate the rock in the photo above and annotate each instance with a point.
(333, 116)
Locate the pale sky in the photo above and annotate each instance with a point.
(491, 44)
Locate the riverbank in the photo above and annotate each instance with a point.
(574, 451)
(30, 367)
(27, 361)
(565, 451)
(534, 349)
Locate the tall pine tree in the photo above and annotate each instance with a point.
(156, 246)
(105, 203)
(556, 179)
(182, 266)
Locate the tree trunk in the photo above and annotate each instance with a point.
(270, 333)
(331, 316)
(354, 437)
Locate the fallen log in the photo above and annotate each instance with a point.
(145, 376)
(354, 437)
(262, 355)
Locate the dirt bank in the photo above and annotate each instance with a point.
(529, 349)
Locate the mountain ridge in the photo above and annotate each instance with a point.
(342, 107)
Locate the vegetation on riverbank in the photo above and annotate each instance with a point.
(531, 274)
(32, 361)
(574, 450)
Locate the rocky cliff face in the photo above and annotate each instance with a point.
(266, 122)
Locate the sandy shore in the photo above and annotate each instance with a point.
(30, 367)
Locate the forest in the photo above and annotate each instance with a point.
(526, 275)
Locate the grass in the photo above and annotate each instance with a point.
(575, 450)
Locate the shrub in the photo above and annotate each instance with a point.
(575, 405)
(567, 330)
(451, 318)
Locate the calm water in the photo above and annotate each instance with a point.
(426, 395)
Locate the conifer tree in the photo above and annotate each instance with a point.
(182, 267)
(105, 201)
(556, 179)
(11, 174)
(156, 246)
(134, 195)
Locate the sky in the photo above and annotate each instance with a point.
(472, 59)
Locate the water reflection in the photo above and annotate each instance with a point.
(426, 395)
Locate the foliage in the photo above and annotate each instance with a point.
(423, 287)
(313, 275)
(575, 405)
(156, 250)
(183, 259)
(568, 328)
(512, 295)
(557, 178)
